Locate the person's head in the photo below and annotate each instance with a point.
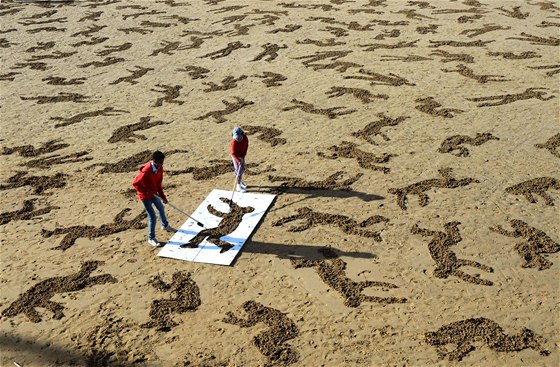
(237, 133)
(158, 158)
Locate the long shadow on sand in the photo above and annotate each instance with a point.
(291, 251)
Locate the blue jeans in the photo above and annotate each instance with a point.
(152, 216)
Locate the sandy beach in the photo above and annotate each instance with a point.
(413, 148)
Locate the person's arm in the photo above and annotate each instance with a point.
(159, 185)
(139, 183)
(233, 149)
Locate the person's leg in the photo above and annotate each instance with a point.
(236, 167)
(161, 211)
(240, 173)
(151, 219)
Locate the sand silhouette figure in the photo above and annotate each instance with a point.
(463, 334)
(333, 182)
(447, 262)
(67, 121)
(271, 79)
(41, 46)
(451, 57)
(168, 48)
(365, 160)
(48, 162)
(469, 73)
(217, 168)
(401, 44)
(72, 233)
(552, 145)
(226, 51)
(513, 56)
(132, 163)
(40, 294)
(555, 69)
(536, 40)
(135, 74)
(272, 343)
(112, 49)
(56, 55)
(332, 271)
(171, 94)
(485, 29)
(515, 12)
(185, 297)
(230, 221)
(430, 106)
(61, 97)
(364, 95)
(535, 243)
(374, 78)
(105, 62)
(408, 58)
(26, 213)
(270, 52)
(331, 113)
(231, 107)
(52, 80)
(477, 43)
(529, 93)
(127, 133)
(453, 144)
(89, 31)
(537, 186)
(229, 82)
(40, 184)
(321, 43)
(267, 134)
(91, 42)
(311, 218)
(373, 129)
(447, 181)
(11, 76)
(195, 72)
(30, 151)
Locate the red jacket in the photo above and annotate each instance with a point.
(239, 148)
(147, 182)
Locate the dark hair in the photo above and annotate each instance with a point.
(158, 156)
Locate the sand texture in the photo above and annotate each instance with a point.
(414, 148)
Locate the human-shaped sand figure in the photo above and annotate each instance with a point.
(230, 221)
(271, 343)
(466, 332)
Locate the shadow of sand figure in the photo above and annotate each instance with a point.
(230, 221)
(332, 271)
(465, 333)
(40, 294)
(271, 343)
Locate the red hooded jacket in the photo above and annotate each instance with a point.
(239, 148)
(147, 182)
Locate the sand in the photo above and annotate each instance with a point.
(413, 147)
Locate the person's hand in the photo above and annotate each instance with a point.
(164, 200)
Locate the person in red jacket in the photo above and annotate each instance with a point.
(239, 146)
(148, 185)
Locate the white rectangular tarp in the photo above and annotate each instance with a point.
(208, 252)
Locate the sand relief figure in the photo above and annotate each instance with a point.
(48, 162)
(321, 43)
(394, 33)
(92, 16)
(374, 78)
(545, 24)
(136, 15)
(185, 297)
(11, 76)
(267, 134)
(365, 160)
(401, 44)
(340, 66)
(546, 5)
(453, 144)
(271, 79)
(447, 181)
(331, 113)
(28, 212)
(181, 19)
(469, 73)
(473, 10)
(90, 42)
(147, 23)
(72, 233)
(30, 151)
(373, 129)
(168, 48)
(447, 262)
(111, 49)
(39, 183)
(430, 29)
(270, 52)
(230, 221)
(53, 80)
(450, 57)
(5, 43)
(217, 168)
(333, 182)
(228, 82)
(362, 94)
(272, 343)
(535, 244)
(529, 93)
(31, 65)
(412, 14)
(41, 293)
(127, 133)
(515, 12)
(91, 29)
(41, 46)
(288, 28)
(555, 69)
(46, 14)
(322, 56)
(485, 29)
(231, 107)
(477, 43)
(45, 29)
(232, 46)
(408, 58)
(230, 19)
(66, 121)
(135, 30)
(61, 97)
(513, 56)
(195, 72)
(239, 30)
(552, 145)
(135, 74)
(336, 31)
(465, 333)
(430, 106)
(106, 62)
(131, 163)
(536, 40)
(48, 21)
(332, 271)
(311, 218)
(537, 186)
(171, 93)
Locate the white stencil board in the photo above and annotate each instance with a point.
(208, 252)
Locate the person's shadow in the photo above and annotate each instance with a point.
(291, 251)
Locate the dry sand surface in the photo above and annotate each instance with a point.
(414, 147)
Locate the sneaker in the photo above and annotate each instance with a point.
(243, 185)
(240, 188)
(154, 242)
(169, 229)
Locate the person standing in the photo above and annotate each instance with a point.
(239, 146)
(148, 185)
